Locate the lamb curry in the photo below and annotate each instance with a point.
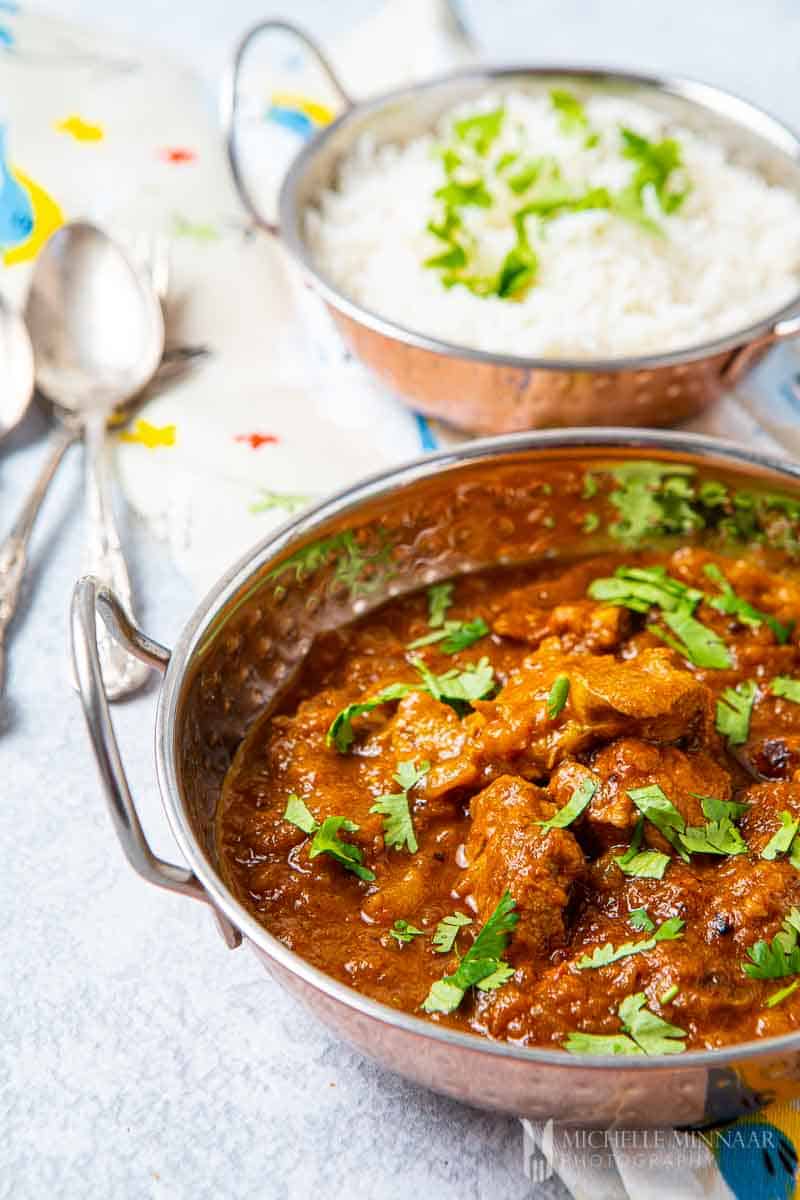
(557, 804)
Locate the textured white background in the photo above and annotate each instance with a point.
(138, 1057)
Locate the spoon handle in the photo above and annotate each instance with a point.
(14, 547)
(122, 673)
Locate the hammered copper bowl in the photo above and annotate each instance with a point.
(394, 532)
(501, 393)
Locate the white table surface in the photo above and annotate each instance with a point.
(139, 1057)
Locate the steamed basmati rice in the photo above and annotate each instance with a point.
(605, 287)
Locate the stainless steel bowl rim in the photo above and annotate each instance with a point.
(734, 107)
(343, 502)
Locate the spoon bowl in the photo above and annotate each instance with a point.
(16, 364)
(94, 320)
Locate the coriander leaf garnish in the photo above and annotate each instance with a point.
(656, 162)
(652, 498)
(440, 597)
(447, 931)
(781, 842)
(571, 113)
(297, 814)
(639, 920)
(402, 932)
(642, 864)
(718, 836)
(569, 812)
(456, 688)
(480, 131)
(718, 810)
(589, 489)
(786, 687)
(643, 1033)
(481, 964)
(341, 735)
(591, 522)
(464, 195)
(650, 1032)
(558, 696)
(783, 994)
(778, 958)
(599, 1044)
(669, 995)
(734, 708)
(661, 812)
(454, 636)
(643, 588)
(398, 827)
(694, 641)
(501, 974)
(734, 605)
(327, 840)
(602, 956)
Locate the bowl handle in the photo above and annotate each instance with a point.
(230, 104)
(90, 598)
(746, 356)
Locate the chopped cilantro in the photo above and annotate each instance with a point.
(297, 814)
(482, 964)
(578, 801)
(558, 696)
(661, 812)
(642, 864)
(694, 641)
(784, 993)
(456, 688)
(602, 956)
(655, 164)
(639, 920)
(778, 958)
(669, 995)
(518, 271)
(440, 597)
(454, 635)
(729, 602)
(590, 522)
(341, 735)
(734, 708)
(571, 113)
(327, 841)
(464, 195)
(643, 1033)
(786, 687)
(589, 490)
(402, 932)
(781, 842)
(398, 826)
(447, 931)
(480, 131)
(651, 1033)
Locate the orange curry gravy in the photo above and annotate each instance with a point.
(638, 713)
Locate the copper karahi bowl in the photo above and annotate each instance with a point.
(500, 393)
(412, 526)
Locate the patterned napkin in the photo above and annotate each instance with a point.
(278, 413)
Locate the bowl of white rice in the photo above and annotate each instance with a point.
(510, 248)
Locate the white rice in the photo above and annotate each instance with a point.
(605, 287)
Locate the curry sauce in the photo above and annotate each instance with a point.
(600, 759)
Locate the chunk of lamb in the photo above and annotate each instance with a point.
(647, 697)
(507, 851)
(580, 625)
(766, 802)
(631, 763)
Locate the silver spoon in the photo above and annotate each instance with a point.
(16, 369)
(97, 331)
